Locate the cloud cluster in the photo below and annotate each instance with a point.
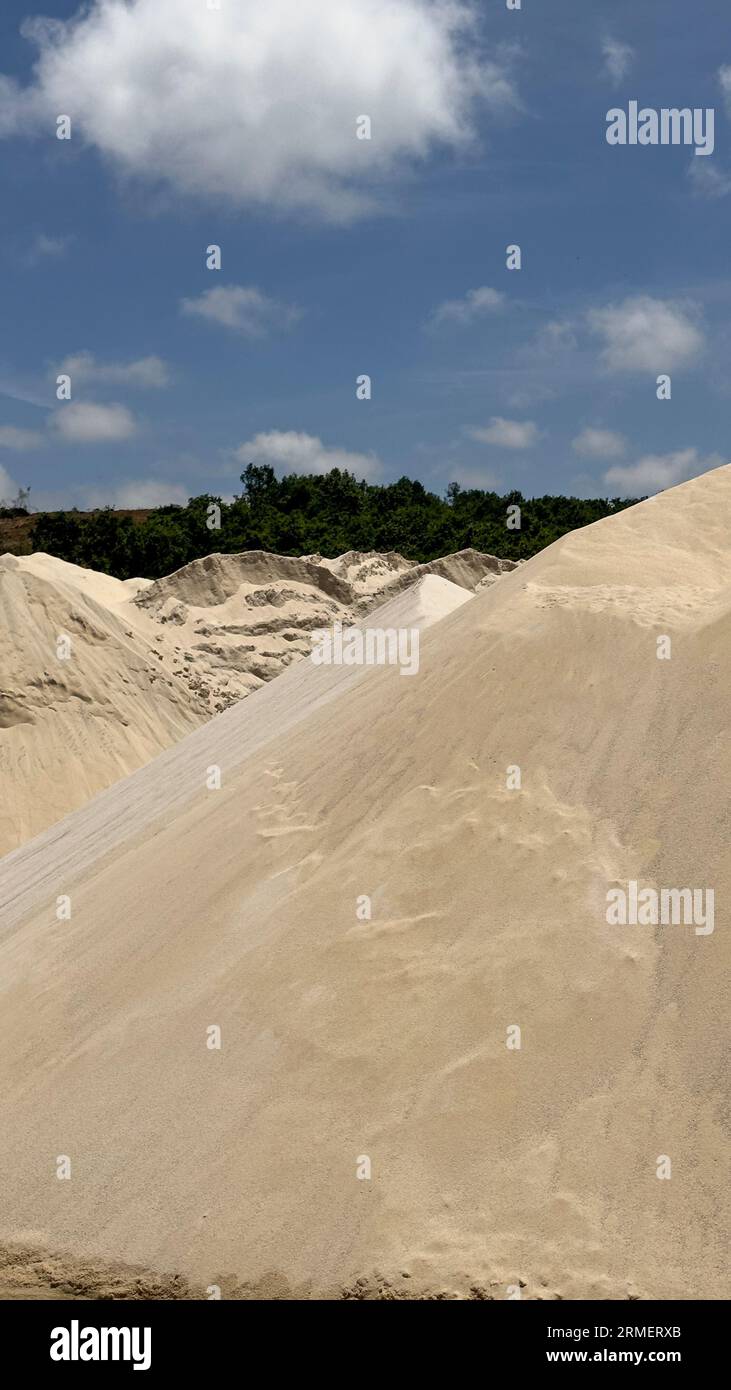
(257, 103)
(85, 421)
(290, 451)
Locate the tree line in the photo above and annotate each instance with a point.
(316, 513)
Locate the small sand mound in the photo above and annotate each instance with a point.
(210, 582)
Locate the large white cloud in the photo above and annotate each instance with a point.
(291, 451)
(257, 102)
(643, 334)
(657, 471)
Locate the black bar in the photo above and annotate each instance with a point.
(194, 1337)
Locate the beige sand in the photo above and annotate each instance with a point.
(229, 623)
(386, 1037)
(69, 727)
(151, 661)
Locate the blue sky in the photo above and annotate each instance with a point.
(343, 257)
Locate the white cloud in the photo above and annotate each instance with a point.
(8, 486)
(20, 440)
(244, 309)
(654, 472)
(510, 434)
(475, 304)
(618, 58)
(146, 372)
(257, 103)
(290, 451)
(86, 423)
(137, 492)
(724, 77)
(599, 444)
(647, 335)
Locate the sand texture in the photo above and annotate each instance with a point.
(148, 662)
(348, 1034)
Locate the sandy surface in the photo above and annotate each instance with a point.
(148, 662)
(347, 1035)
(69, 727)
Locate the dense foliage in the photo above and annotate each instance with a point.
(327, 513)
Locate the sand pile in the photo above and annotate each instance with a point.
(233, 622)
(149, 661)
(83, 697)
(367, 909)
(168, 784)
(372, 576)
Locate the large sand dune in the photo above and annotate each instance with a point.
(347, 1035)
(148, 662)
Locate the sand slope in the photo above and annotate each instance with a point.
(69, 727)
(152, 660)
(346, 1036)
